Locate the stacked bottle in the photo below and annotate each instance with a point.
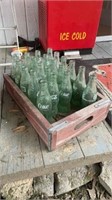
(51, 84)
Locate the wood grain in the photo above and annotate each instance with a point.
(107, 46)
(32, 18)
(2, 60)
(21, 18)
(98, 52)
(20, 152)
(8, 21)
(2, 33)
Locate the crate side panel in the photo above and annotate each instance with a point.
(34, 116)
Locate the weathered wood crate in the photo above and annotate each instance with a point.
(105, 85)
(63, 130)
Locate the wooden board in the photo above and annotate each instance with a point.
(2, 33)
(21, 18)
(94, 145)
(19, 144)
(2, 60)
(8, 20)
(32, 18)
(107, 46)
(98, 52)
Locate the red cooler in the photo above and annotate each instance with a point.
(70, 24)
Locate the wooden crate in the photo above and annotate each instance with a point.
(104, 83)
(63, 130)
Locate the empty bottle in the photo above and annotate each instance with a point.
(37, 54)
(60, 74)
(40, 70)
(18, 72)
(72, 71)
(27, 60)
(44, 102)
(15, 60)
(46, 63)
(33, 87)
(65, 94)
(54, 93)
(89, 95)
(50, 52)
(57, 58)
(53, 66)
(64, 61)
(25, 80)
(78, 88)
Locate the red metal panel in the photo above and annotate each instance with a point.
(70, 24)
(107, 79)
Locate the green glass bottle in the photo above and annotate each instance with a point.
(65, 94)
(18, 72)
(46, 62)
(27, 60)
(78, 88)
(15, 60)
(89, 95)
(25, 80)
(37, 54)
(50, 52)
(54, 93)
(40, 70)
(60, 74)
(72, 71)
(64, 62)
(32, 65)
(53, 66)
(44, 102)
(57, 58)
(33, 87)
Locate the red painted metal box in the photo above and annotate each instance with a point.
(70, 24)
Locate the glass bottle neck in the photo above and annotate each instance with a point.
(92, 82)
(81, 74)
(43, 88)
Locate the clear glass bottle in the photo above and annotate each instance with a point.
(33, 87)
(78, 88)
(72, 71)
(89, 95)
(65, 94)
(25, 80)
(54, 93)
(44, 101)
(60, 74)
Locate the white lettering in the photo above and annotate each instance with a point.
(43, 107)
